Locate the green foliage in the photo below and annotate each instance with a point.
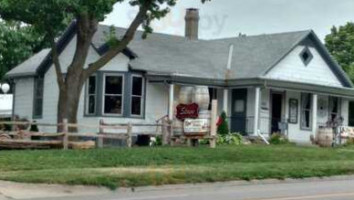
(349, 142)
(161, 165)
(17, 43)
(230, 139)
(278, 139)
(223, 128)
(340, 43)
(156, 141)
(51, 16)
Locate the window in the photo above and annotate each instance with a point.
(91, 98)
(334, 108)
(306, 56)
(38, 98)
(306, 111)
(137, 96)
(113, 94)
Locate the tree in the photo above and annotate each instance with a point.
(341, 45)
(17, 43)
(49, 16)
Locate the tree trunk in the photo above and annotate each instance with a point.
(71, 87)
(62, 104)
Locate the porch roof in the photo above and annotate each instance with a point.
(255, 82)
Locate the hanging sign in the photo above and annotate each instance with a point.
(185, 111)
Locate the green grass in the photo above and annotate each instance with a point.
(155, 166)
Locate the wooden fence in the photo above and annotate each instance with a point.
(21, 136)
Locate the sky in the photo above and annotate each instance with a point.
(228, 18)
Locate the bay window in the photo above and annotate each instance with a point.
(91, 98)
(137, 95)
(113, 94)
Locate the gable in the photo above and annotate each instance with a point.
(315, 71)
(118, 63)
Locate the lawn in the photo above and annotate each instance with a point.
(155, 166)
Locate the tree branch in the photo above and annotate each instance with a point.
(55, 57)
(127, 38)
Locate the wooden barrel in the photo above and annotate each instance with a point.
(201, 97)
(185, 95)
(177, 127)
(325, 137)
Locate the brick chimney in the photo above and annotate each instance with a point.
(192, 23)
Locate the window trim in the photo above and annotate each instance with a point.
(302, 110)
(142, 104)
(87, 96)
(104, 94)
(309, 59)
(35, 97)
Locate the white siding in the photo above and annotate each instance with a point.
(264, 125)
(156, 94)
(292, 68)
(295, 133)
(24, 97)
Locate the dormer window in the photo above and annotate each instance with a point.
(306, 56)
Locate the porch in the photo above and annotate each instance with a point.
(295, 113)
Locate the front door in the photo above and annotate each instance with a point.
(239, 111)
(277, 106)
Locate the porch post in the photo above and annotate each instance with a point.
(256, 110)
(226, 101)
(170, 101)
(314, 113)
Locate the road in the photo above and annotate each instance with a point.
(327, 189)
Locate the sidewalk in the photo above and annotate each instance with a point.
(22, 191)
(11, 190)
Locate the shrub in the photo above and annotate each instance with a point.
(349, 142)
(156, 141)
(223, 125)
(277, 139)
(230, 139)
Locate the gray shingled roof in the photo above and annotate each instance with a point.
(167, 54)
(30, 66)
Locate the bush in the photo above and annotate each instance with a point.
(223, 125)
(230, 139)
(349, 142)
(277, 139)
(156, 141)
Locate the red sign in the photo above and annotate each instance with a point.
(187, 111)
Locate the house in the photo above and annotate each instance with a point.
(263, 82)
